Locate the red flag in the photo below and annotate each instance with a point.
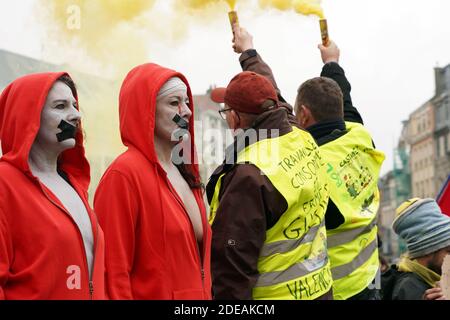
(443, 198)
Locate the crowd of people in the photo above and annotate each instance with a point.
(292, 209)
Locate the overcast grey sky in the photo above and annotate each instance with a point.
(388, 49)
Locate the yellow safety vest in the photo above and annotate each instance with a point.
(293, 263)
(353, 167)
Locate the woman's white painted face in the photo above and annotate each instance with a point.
(167, 107)
(60, 105)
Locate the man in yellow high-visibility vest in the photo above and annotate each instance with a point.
(324, 107)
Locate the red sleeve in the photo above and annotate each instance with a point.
(5, 253)
(116, 209)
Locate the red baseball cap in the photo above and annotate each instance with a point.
(248, 92)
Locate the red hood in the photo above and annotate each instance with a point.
(21, 104)
(138, 107)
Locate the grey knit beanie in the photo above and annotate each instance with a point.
(423, 226)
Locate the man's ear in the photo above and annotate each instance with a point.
(304, 115)
(235, 119)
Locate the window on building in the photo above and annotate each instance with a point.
(448, 142)
(447, 109)
(438, 150)
(439, 115)
(442, 146)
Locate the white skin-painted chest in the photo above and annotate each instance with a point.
(69, 199)
(185, 193)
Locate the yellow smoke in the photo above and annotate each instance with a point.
(308, 7)
(117, 33)
(232, 4)
(105, 37)
(199, 4)
(105, 29)
(305, 7)
(278, 4)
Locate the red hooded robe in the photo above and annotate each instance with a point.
(42, 254)
(152, 251)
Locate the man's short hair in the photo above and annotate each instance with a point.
(323, 97)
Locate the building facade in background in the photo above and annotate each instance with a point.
(386, 213)
(441, 102)
(422, 155)
(402, 167)
(395, 188)
(211, 135)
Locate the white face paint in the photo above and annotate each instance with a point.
(167, 107)
(60, 105)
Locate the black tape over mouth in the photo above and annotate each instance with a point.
(68, 131)
(183, 124)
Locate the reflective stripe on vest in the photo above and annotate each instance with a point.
(346, 269)
(353, 167)
(215, 200)
(284, 246)
(294, 272)
(347, 236)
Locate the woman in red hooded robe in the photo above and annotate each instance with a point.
(51, 246)
(150, 201)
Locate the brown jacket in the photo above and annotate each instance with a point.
(249, 205)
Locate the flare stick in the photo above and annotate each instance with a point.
(232, 15)
(324, 31)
